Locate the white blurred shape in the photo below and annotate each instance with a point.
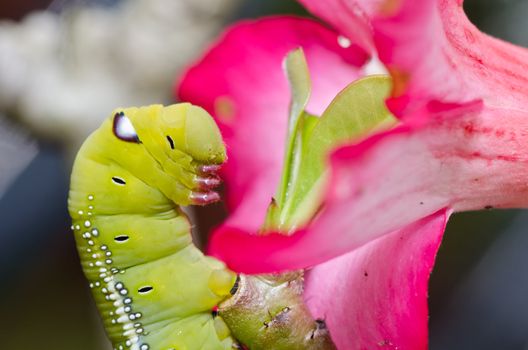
(374, 67)
(63, 74)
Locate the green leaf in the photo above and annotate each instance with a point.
(300, 85)
(272, 217)
(355, 113)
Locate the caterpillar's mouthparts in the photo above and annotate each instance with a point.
(207, 183)
(209, 169)
(203, 198)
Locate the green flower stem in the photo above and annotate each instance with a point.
(268, 312)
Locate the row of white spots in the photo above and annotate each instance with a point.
(114, 292)
(124, 314)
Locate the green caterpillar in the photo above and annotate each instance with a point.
(154, 289)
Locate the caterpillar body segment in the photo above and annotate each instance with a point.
(154, 289)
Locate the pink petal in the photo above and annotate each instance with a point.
(376, 296)
(438, 54)
(466, 158)
(350, 17)
(433, 51)
(241, 82)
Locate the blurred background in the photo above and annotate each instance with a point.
(54, 56)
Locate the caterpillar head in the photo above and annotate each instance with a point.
(185, 143)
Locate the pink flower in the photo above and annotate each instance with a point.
(462, 144)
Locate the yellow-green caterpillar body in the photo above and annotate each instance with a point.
(153, 287)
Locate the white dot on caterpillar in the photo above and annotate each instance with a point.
(131, 341)
(104, 247)
(90, 197)
(91, 264)
(123, 291)
(129, 332)
(107, 279)
(108, 261)
(95, 232)
(97, 284)
(127, 301)
(95, 255)
(80, 212)
(77, 227)
(87, 223)
(119, 285)
(72, 227)
(127, 309)
(88, 250)
(144, 347)
(98, 263)
(86, 235)
(108, 254)
(90, 207)
(90, 242)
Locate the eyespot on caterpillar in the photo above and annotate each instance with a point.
(154, 289)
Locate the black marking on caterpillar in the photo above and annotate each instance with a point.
(118, 181)
(171, 141)
(121, 238)
(234, 289)
(145, 289)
